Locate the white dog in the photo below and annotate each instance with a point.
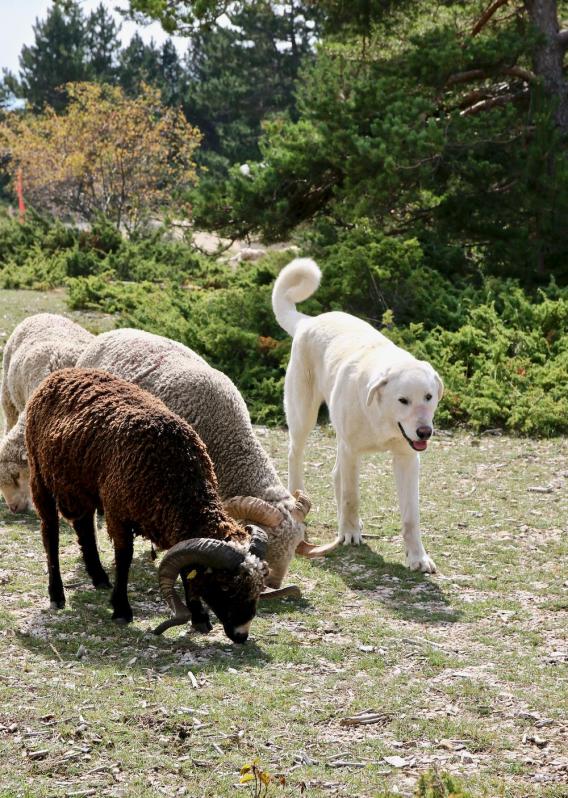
(379, 397)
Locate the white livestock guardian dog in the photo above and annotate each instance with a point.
(379, 397)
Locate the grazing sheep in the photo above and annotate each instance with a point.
(97, 442)
(38, 345)
(211, 403)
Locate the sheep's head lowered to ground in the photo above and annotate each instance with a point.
(283, 522)
(227, 577)
(14, 470)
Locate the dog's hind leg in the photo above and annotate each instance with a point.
(346, 483)
(406, 472)
(301, 402)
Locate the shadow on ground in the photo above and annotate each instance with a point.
(86, 620)
(408, 594)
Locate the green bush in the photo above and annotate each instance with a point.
(504, 363)
(502, 352)
(42, 254)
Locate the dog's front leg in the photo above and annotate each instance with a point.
(406, 472)
(346, 482)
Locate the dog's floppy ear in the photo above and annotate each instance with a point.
(376, 385)
(440, 385)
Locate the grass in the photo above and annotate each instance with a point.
(466, 670)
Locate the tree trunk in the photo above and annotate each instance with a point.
(548, 57)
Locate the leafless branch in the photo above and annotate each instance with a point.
(481, 74)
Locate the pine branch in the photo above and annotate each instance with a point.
(563, 38)
(481, 74)
(492, 102)
(520, 72)
(466, 77)
(486, 16)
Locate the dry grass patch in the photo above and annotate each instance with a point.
(374, 676)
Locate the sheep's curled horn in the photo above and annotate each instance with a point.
(199, 551)
(259, 511)
(303, 504)
(305, 549)
(253, 509)
(258, 546)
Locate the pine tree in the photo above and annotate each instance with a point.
(138, 63)
(58, 56)
(241, 73)
(443, 124)
(102, 45)
(172, 77)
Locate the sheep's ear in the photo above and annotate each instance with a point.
(440, 385)
(375, 387)
(258, 542)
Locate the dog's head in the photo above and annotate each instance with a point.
(408, 397)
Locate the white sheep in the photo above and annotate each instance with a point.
(211, 403)
(39, 345)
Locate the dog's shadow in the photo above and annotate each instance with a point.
(410, 595)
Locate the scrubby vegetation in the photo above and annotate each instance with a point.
(502, 348)
(418, 151)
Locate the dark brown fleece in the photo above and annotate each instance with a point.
(97, 441)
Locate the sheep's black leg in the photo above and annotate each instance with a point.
(47, 510)
(85, 529)
(123, 549)
(199, 616)
(200, 619)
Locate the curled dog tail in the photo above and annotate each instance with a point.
(297, 281)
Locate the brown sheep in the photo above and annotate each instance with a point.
(97, 442)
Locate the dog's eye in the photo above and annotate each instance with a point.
(428, 397)
(403, 401)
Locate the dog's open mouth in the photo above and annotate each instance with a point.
(418, 446)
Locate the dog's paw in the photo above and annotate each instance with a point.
(421, 563)
(352, 536)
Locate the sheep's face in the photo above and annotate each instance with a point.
(233, 596)
(283, 541)
(15, 486)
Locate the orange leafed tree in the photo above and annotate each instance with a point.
(107, 154)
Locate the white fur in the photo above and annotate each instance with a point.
(39, 345)
(212, 404)
(341, 360)
(14, 470)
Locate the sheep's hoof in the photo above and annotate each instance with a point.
(121, 620)
(122, 616)
(57, 605)
(204, 626)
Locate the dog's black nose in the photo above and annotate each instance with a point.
(424, 433)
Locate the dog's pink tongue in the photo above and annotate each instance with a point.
(420, 445)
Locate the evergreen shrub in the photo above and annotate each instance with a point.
(501, 349)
